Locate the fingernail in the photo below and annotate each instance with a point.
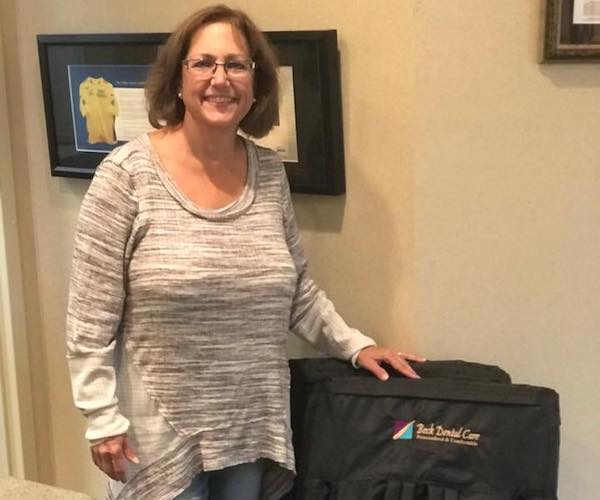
(385, 377)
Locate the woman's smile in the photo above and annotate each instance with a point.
(220, 99)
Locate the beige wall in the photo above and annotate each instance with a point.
(472, 220)
(16, 444)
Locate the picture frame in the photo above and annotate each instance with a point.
(70, 153)
(572, 31)
(314, 59)
(308, 137)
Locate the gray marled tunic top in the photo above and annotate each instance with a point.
(178, 320)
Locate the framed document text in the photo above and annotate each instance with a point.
(572, 32)
(93, 87)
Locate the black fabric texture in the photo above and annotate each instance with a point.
(311, 370)
(457, 438)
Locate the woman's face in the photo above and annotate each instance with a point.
(217, 100)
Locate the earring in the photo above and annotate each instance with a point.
(180, 95)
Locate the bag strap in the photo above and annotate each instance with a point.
(408, 491)
(412, 491)
(450, 494)
(435, 493)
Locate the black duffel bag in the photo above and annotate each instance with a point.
(437, 438)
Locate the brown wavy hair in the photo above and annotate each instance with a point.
(164, 78)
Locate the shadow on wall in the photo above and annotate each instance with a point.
(571, 76)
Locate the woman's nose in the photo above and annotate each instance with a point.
(220, 75)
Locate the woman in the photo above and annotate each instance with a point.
(188, 274)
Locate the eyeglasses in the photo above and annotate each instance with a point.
(205, 67)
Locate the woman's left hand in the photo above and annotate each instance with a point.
(370, 358)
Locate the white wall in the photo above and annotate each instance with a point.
(470, 228)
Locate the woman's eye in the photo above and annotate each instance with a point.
(203, 64)
(236, 65)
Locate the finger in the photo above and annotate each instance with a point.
(117, 458)
(111, 454)
(106, 465)
(118, 466)
(376, 370)
(94, 456)
(129, 452)
(402, 366)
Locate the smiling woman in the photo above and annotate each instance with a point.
(164, 80)
(217, 98)
(188, 275)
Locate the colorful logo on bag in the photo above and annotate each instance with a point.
(434, 431)
(403, 429)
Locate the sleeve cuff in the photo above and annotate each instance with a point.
(105, 423)
(354, 357)
(93, 382)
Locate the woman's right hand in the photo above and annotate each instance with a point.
(110, 455)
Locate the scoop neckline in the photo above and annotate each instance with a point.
(231, 210)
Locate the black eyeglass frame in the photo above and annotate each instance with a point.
(215, 65)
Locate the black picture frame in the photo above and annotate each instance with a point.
(56, 54)
(566, 40)
(313, 56)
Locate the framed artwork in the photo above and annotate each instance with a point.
(310, 70)
(572, 32)
(93, 87)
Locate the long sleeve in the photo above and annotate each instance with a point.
(313, 316)
(97, 296)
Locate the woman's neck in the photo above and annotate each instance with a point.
(208, 145)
